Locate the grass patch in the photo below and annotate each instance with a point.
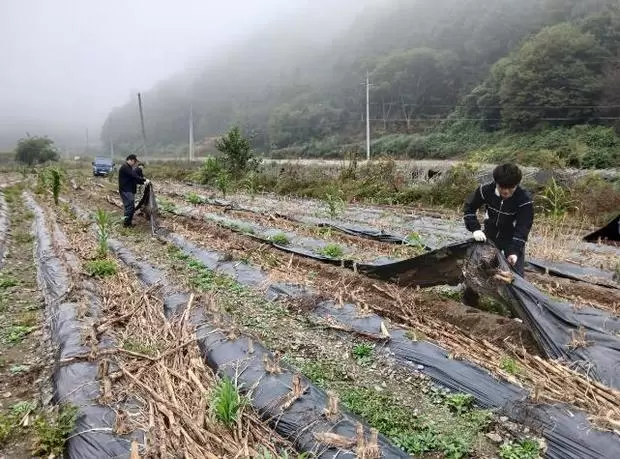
(100, 268)
(53, 429)
(166, 206)
(7, 281)
(280, 239)
(332, 251)
(363, 352)
(509, 365)
(23, 238)
(460, 403)
(15, 334)
(226, 402)
(527, 449)
(194, 199)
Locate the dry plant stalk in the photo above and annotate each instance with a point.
(579, 339)
(332, 411)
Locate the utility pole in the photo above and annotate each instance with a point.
(87, 143)
(367, 117)
(191, 133)
(142, 126)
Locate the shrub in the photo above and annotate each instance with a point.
(237, 150)
(35, 150)
(209, 171)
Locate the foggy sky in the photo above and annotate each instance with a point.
(67, 63)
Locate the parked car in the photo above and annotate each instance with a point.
(102, 166)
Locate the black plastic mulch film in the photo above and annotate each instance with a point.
(610, 232)
(4, 227)
(74, 382)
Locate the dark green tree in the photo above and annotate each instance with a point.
(35, 150)
(238, 156)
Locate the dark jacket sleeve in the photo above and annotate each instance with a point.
(523, 225)
(137, 177)
(473, 203)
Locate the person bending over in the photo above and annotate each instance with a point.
(128, 180)
(509, 214)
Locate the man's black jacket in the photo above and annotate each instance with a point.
(507, 221)
(128, 179)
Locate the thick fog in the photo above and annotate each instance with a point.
(67, 63)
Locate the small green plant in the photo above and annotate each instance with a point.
(334, 205)
(332, 251)
(7, 281)
(362, 352)
(103, 222)
(280, 239)
(223, 182)
(460, 403)
(414, 239)
(52, 430)
(20, 409)
(527, 449)
(509, 365)
(23, 238)
(556, 200)
(55, 177)
(18, 369)
(15, 334)
(100, 268)
(226, 402)
(251, 184)
(166, 206)
(194, 199)
(455, 447)
(140, 348)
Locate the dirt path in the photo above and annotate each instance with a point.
(24, 361)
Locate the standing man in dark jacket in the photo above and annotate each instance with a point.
(509, 214)
(128, 181)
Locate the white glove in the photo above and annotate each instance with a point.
(147, 181)
(479, 236)
(512, 259)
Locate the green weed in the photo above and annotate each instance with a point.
(415, 240)
(333, 204)
(509, 365)
(226, 402)
(166, 206)
(194, 198)
(15, 334)
(527, 449)
(332, 251)
(280, 239)
(23, 238)
(100, 268)
(103, 223)
(140, 348)
(363, 352)
(556, 201)
(460, 403)
(7, 281)
(223, 182)
(52, 430)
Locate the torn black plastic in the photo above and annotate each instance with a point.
(232, 355)
(587, 337)
(74, 382)
(610, 232)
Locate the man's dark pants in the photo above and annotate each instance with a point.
(471, 298)
(129, 206)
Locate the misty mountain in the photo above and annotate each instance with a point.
(300, 79)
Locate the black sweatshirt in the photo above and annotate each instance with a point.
(128, 179)
(507, 221)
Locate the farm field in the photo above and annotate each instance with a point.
(266, 326)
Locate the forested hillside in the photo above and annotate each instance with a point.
(536, 80)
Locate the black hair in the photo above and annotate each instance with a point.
(507, 175)
(131, 157)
